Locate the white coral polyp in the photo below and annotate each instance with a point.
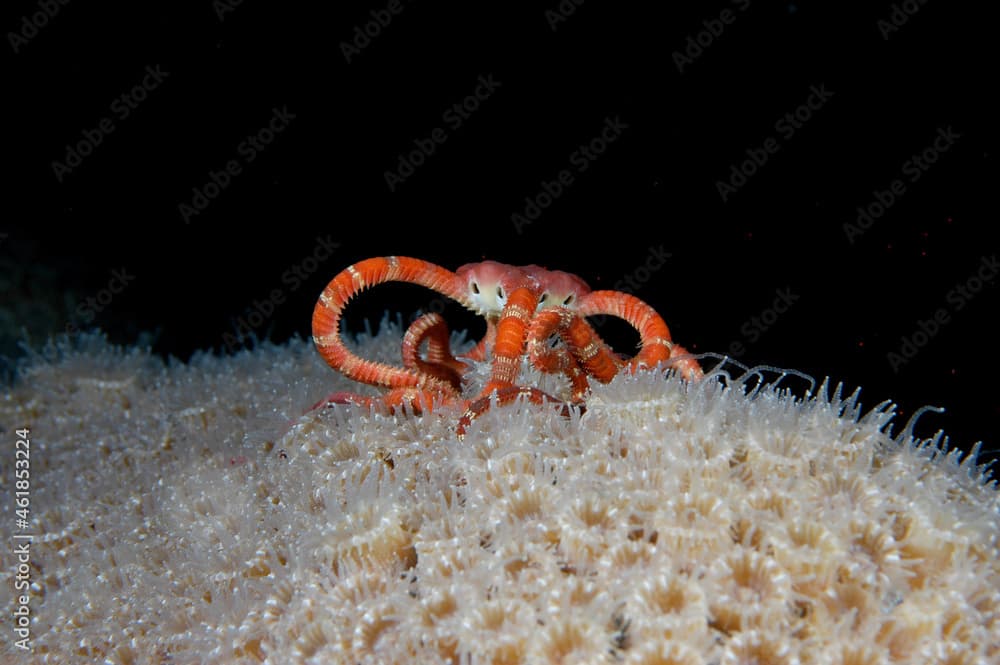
(192, 513)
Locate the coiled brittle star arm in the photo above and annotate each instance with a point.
(353, 280)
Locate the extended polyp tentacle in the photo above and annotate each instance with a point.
(440, 362)
(654, 336)
(352, 281)
(685, 364)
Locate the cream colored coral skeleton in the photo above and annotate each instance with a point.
(672, 523)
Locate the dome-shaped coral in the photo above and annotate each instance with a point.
(189, 514)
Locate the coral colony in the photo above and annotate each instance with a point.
(191, 513)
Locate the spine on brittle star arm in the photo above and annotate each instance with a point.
(504, 396)
(440, 362)
(654, 336)
(597, 359)
(353, 280)
(478, 352)
(510, 339)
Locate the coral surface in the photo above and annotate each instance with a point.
(189, 513)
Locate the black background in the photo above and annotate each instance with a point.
(653, 189)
